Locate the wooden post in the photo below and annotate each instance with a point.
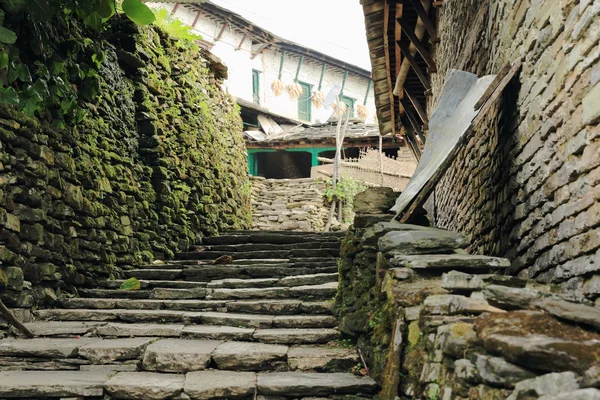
(321, 78)
(14, 321)
(299, 67)
(281, 64)
(381, 158)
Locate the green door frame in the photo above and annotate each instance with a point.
(314, 152)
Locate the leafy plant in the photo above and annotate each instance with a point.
(175, 27)
(345, 190)
(130, 284)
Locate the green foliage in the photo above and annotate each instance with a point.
(130, 284)
(175, 27)
(58, 82)
(345, 190)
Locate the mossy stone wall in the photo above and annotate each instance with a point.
(157, 162)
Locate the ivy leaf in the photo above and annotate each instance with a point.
(94, 21)
(107, 8)
(138, 12)
(130, 284)
(13, 6)
(40, 10)
(23, 73)
(9, 96)
(3, 60)
(7, 36)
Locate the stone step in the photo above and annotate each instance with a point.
(275, 307)
(244, 247)
(212, 255)
(70, 329)
(44, 384)
(155, 274)
(271, 237)
(291, 384)
(187, 317)
(312, 279)
(202, 273)
(458, 262)
(151, 284)
(326, 290)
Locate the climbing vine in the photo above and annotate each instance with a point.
(345, 190)
(45, 75)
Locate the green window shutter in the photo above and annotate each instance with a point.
(256, 86)
(349, 101)
(304, 102)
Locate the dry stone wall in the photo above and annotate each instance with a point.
(157, 161)
(434, 322)
(289, 204)
(527, 184)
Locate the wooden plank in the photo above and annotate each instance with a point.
(422, 196)
(239, 46)
(390, 84)
(493, 86)
(412, 119)
(424, 15)
(174, 10)
(410, 34)
(198, 15)
(415, 66)
(422, 113)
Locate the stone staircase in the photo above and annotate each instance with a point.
(259, 324)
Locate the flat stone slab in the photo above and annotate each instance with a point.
(151, 315)
(265, 306)
(460, 281)
(82, 302)
(206, 385)
(59, 328)
(243, 283)
(180, 294)
(421, 242)
(195, 305)
(579, 313)
(251, 293)
(179, 355)
(25, 384)
(295, 336)
(458, 262)
(325, 290)
(144, 385)
(302, 280)
(322, 358)
(313, 384)
(136, 304)
(151, 274)
(217, 332)
(42, 347)
(304, 321)
(109, 350)
(77, 315)
(247, 356)
(239, 320)
(128, 330)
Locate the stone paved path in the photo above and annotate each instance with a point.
(260, 325)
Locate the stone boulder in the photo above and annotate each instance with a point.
(536, 340)
(375, 200)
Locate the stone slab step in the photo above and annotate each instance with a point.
(42, 384)
(151, 284)
(243, 283)
(272, 237)
(144, 385)
(212, 255)
(248, 356)
(322, 358)
(215, 384)
(130, 330)
(244, 247)
(216, 332)
(273, 307)
(295, 336)
(43, 347)
(459, 262)
(155, 274)
(111, 350)
(179, 355)
(203, 273)
(112, 293)
(187, 317)
(313, 384)
(42, 364)
(58, 328)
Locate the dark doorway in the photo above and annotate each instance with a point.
(284, 164)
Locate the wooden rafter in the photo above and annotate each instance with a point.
(198, 15)
(389, 78)
(409, 32)
(221, 32)
(420, 111)
(174, 10)
(259, 50)
(412, 119)
(415, 66)
(239, 46)
(424, 15)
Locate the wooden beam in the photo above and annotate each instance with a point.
(259, 50)
(174, 10)
(415, 66)
(239, 46)
(492, 87)
(389, 78)
(409, 31)
(412, 119)
(422, 113)
(198, 14)
(221, 32)
(424, 15)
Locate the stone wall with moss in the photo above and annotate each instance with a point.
(153, 161)
(434, 322)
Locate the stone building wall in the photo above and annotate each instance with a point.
(289, 204)
(526, 186)
(156, 161)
